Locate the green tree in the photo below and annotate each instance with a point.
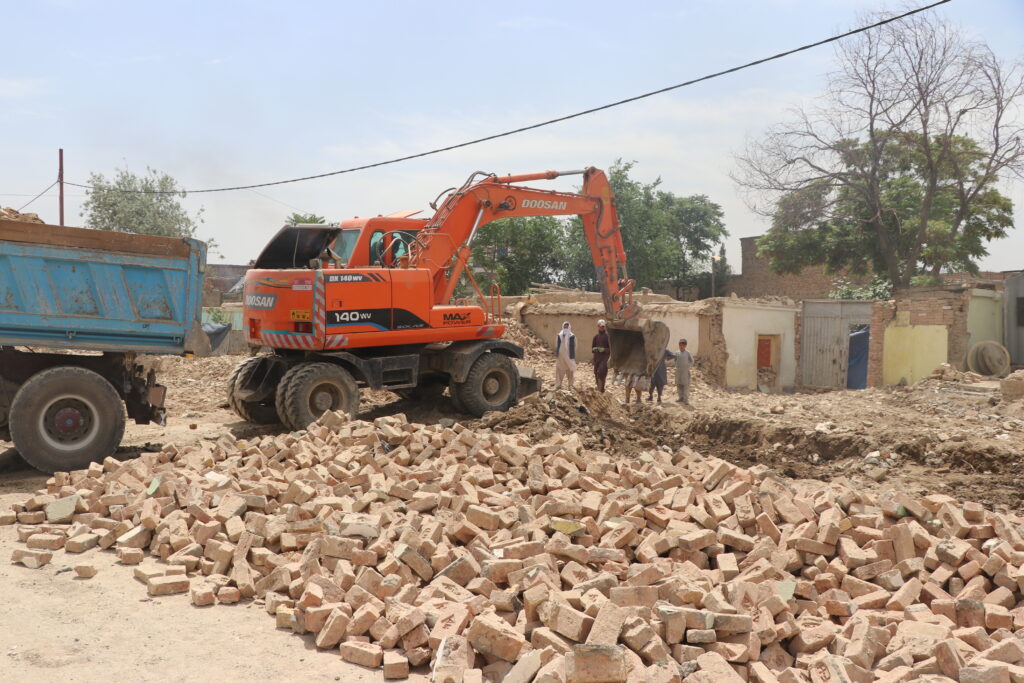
(517, 251)
(148, 204)
(835, 226)
(297, 217)
(877, 288)
(893, 171)
(668, 239)
(696, 227)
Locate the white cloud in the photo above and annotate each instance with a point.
(21, 87)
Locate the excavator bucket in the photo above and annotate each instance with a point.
(637, 345)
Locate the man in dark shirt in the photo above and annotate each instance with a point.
(600, 348)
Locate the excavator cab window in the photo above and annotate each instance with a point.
(345, 244)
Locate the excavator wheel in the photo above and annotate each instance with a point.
(308, 390)
(261, 412)
(492, 384)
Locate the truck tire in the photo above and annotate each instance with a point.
(309, 389)
(261, 412)
(492, 384)
(65, 418)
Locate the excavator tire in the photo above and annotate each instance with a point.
(492, 384)
(308, 390)
(262, 412)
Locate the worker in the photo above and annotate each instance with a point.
(660, 378)
(600, 348)
(637, 384)
(565, 356)
(684, 361)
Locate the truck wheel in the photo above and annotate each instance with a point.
(260, 412)
(310, 389)
(492, 384)
(65, 418)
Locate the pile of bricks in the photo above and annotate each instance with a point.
(488, 557)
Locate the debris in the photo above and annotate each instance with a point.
(552, 556)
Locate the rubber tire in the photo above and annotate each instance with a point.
(471, 392)
(261, 413)
(297, 385)
(40, 390)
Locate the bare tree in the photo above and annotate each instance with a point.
(894, 167)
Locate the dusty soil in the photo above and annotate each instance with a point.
(937, 437)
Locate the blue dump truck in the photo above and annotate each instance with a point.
(77, 308)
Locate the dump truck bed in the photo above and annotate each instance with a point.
(96, 290)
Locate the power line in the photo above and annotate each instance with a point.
(559, 119)
(37, 196)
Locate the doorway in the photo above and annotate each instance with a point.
(768, 346)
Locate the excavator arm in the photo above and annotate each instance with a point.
(444, 246)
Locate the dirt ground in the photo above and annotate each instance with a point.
(937, 437)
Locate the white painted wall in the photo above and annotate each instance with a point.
(741, 324)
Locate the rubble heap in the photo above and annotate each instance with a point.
(492, 557)
(9, 214)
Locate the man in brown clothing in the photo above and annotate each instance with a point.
(601, 350)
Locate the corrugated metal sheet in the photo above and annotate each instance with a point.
(825, 340)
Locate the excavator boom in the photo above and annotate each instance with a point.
(444, 247)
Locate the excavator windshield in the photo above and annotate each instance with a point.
(346, 243)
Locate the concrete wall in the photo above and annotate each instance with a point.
(742, 322)
(1014, 318)
(985, 316)
(545, 320)
(913, 352)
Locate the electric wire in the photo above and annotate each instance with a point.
(559, 119)
(37, 196)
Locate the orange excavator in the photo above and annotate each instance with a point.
(371, 303)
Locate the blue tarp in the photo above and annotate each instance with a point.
(857, 371)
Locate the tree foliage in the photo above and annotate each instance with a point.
(300, 218)
(878, 288)
(893, 170)
(148, 204)
(517, 251)
(669, 240)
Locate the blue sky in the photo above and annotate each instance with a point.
(225, 93)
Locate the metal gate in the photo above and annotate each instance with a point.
(825, 340)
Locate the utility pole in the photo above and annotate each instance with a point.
(60, 179)
(714, 262)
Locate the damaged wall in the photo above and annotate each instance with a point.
(545, 319)
(921, 328)
(722, 334)
(743, 323)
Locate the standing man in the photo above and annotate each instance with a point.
(565, 355)
(600, 347)
(660, 377)
(684, 361)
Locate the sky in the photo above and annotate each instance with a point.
(227, 93)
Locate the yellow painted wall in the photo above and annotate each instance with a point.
(985, 316)
(912, 352)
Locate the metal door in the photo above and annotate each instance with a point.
(825, 340)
